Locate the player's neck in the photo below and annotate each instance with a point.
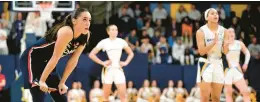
(212, 26)
(112, 38)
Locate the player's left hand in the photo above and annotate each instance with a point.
(122, 64)
(244, 67)
(62, 88)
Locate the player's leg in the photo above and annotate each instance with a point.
(218, 82)
(37, 94)
(107, 80)
(228, 85)
(120, 84)
(53, 82)
(107, 91)
(228, 93)
(204, 79)
(240, 83)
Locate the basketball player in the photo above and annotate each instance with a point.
(210, 42)
(39, 60)
(112, 71)
(234, 74)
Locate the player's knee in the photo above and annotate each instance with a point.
(215, 98)
(245, 92)
(122, 96)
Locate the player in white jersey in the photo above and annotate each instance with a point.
(234, 74)
(112, 71)
(210, 41)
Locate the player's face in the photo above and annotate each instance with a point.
(213, 16)
(171, 84)
(130, 84)
(180, 84)
(113, 31)
(146, 83)
(154, 83)
(96, 84)
(84, 21)
(231, 34)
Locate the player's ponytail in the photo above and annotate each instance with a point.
(51, 35)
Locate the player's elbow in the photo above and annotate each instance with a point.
(201, 53)
(91, 55)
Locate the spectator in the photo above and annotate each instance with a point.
(159, 12)
(131, 92)
(164, 57)
(3, 44)
(144, 34)
(155, 91)
(151, 58)
(172, 38)
(40, 26)
(186, 27)
(149, 29)
(254, 49)
(194, 14)
(196, 27)
(221, 12)
(255, 21)
(194, 94)
(236, 26)
(178, 51)
(128, 11)
(181, 13)
(156, 38)
(146, 14)
(2, 80)
(7, 25)
(161, 44)
(2, 84)
(16, 34)
(137, 11)
(126, 23)
(132, 40)
(144, 92)
(146, 46)
(73, 94)
(188, 57)
(160, 27)
(169, 93)
(181, 92)
(187, 40)
(96, 94)
(175, 27)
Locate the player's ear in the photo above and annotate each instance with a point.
(73, 21)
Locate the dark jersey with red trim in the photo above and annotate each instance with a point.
(35, 58)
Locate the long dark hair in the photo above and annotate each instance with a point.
(51, 35)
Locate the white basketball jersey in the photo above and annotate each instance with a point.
(209, 37)
(113, 49)
(234, 52)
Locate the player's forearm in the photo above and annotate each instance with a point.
(95, 59)
(48, 69)
(71, 65)
(247, 57)
(206, 49)
(225, 49)
(129, 58)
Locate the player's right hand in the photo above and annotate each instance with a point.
(216, 38)
(43, 86)
(107, 63)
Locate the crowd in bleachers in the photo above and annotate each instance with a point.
(171, 40)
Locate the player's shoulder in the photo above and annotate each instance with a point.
(120, 40)
(66, 31)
